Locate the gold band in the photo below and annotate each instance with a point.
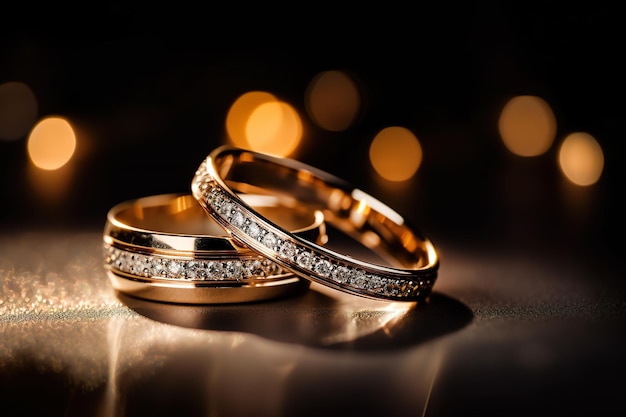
(208, 292)
(407, 262)
(166, 248)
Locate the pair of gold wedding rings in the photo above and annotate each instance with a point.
(258, 227)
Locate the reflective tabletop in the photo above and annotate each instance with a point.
(500, 335)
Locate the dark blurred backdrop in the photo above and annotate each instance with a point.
(148, 89)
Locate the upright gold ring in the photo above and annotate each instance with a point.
(400, 263)
(166, 248)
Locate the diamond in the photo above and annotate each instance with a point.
(174, 268)
(322, 267)
(191, 271)
(238, 219)
(341, 274)
(270, 240)
(141, 266)
(287, 250)
(391, 288)
(375, 283)
(254, 268)
(226, 208)
(304, 258)
(253, 230)
(232, 270)
(215, 270)
(202, 271)
(359, 279)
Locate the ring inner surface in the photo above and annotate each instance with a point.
(181, 214)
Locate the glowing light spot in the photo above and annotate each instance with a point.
(274, 128)
(527, 126)
(51, 143)
(332, 100)
(581, 159)
(239, 113)
(18, 110)
(395, 153)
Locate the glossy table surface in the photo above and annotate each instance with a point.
(503, 334)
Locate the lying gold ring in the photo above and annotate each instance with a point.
(166, 248)
(401, 263)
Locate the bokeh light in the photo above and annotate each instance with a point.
(332, 100)
(239, 113)
(274, 128)
(18, 110)
(51, 143)
(395, 153)
(581, 159)
(527, 126)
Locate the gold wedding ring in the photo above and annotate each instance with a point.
(166, 248)
(399, 263)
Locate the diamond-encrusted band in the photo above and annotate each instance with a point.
(406, 262)
(167, 245)
(237, 268)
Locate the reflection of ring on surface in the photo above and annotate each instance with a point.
(166, 248)
(412, 259)
(317, 319)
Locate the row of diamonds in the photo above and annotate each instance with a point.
(187, 269)
(327, 269)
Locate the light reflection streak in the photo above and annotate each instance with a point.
(367, 199)
(436, 364)
(111, 399)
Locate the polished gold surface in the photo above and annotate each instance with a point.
(400, 263)
(208, 292)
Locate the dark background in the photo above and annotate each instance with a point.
(151, 87)
(148, 90)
